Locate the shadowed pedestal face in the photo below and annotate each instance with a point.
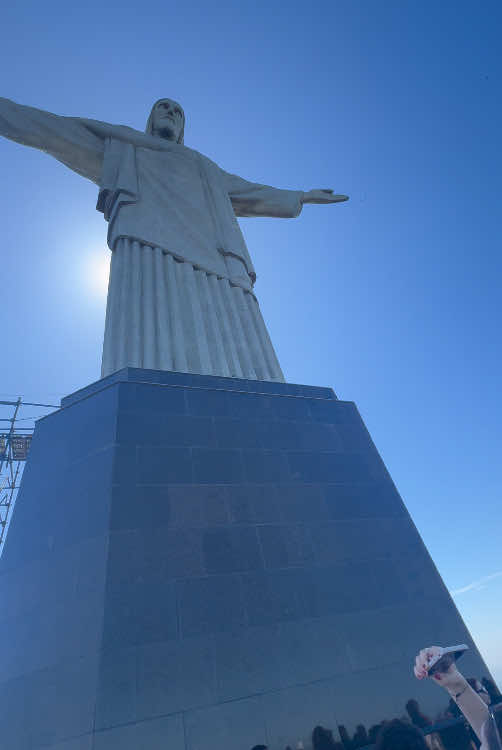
(201, 563)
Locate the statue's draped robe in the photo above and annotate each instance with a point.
(180, 292)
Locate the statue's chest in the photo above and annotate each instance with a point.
(173, 170)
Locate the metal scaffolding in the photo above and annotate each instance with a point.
(15, 440)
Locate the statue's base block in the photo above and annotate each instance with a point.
(201, 563)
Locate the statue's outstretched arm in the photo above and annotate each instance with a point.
(68, 139)
(253, 199)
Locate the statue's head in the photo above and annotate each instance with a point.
(167, 120)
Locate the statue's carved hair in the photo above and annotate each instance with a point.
(149, 124)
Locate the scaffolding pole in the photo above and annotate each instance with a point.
(8, 475)
(15, 442)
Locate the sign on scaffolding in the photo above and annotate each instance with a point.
(20, 446)
(15, 443)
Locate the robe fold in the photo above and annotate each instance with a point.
(164, 196)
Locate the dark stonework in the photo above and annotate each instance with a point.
(202, 563)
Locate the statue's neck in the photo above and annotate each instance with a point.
(165, 134)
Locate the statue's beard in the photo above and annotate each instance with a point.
(166, 132)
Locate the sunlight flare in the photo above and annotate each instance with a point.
(98, 271)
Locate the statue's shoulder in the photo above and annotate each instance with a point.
(118, 132)
(208, 163)
(137, 138)
(127, 132)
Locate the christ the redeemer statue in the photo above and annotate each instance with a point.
(180, 294)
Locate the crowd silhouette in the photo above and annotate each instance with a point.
(448, 730)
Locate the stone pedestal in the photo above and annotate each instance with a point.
(202, 563)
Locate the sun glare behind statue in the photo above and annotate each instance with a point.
(98, 271)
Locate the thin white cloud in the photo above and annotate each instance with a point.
(477, 585)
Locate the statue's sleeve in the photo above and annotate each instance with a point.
(253, 199)
(71, 140)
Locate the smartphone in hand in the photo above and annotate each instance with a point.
(446, 658)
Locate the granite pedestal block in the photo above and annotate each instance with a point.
(201, 563)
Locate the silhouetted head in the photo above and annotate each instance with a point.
(260, 747)
(373, 731)
(167, 120)
(322, 739)
(412, 707)
(417, 717)
(399, 735)
(361, 733)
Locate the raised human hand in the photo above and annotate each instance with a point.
(323, 196)
(449, 677)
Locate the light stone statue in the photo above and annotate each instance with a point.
(180, 294)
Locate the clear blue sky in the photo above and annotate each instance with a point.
(393, 298)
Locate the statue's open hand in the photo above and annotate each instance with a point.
(323, 196)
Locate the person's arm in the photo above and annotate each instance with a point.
(474, 709)
(71, 140)
(253, 199)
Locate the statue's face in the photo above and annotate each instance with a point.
(167, 119)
